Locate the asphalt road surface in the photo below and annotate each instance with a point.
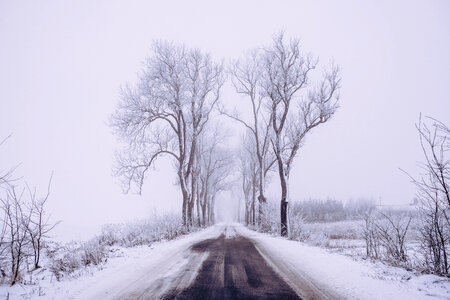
(221, 262)
(234, 269)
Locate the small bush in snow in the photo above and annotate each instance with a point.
(111, 234)
(297, 228)
(93, 253)
(64, 260)
(270, 221)
(385, 235)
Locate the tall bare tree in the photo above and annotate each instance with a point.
(246, 79)
(249, 177)
(204, 82)
(164, 114)
(39, 225)
(297, 106)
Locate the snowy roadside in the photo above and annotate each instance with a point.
(342, 276)
(136, 268)
(166, 265)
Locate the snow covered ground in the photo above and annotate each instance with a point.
(167, 264)
(344, 276)
(131, 268)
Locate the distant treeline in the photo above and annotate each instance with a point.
(330, 210)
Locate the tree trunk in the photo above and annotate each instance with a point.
(253, 205)
(198, 205)
(261, 198)
(444, 264)
(284, 225)
(16, 266)
(189, 212)
(192, 200)
(199, 223)
(209, 212)
(253, 213)
(183, 209)
(204, 214)
(262, 203)
(212, 219)
(284, 200)
(239, 210)
(246, 213)
(185, 194)
(37, 255)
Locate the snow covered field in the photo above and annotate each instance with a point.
(346, 277)
(164, 265)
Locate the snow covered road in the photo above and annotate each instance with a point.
(229, 261)
(221, 262)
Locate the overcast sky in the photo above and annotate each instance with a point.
(62, 63)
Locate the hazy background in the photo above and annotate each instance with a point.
(62, 63)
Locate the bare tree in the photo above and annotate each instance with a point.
(204, 82)
(164, 114)
(370, 234)
(17, 222)
(433, 188)
(246, 79)
(385, 234)
(24, 222)
(215, 167)
(246, 190)
(391, 230)
(294, 113)
(39, 224)
(249, 171)
(14, 219)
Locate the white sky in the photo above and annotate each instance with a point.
(62, 63)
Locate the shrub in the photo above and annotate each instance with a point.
(67, 259)
(385, 234)
(93, 253)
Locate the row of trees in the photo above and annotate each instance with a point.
(287, 102)
(24, 226)
(168, 112)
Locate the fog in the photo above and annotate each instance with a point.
(62, 64)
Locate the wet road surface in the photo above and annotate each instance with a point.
(234, 269)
